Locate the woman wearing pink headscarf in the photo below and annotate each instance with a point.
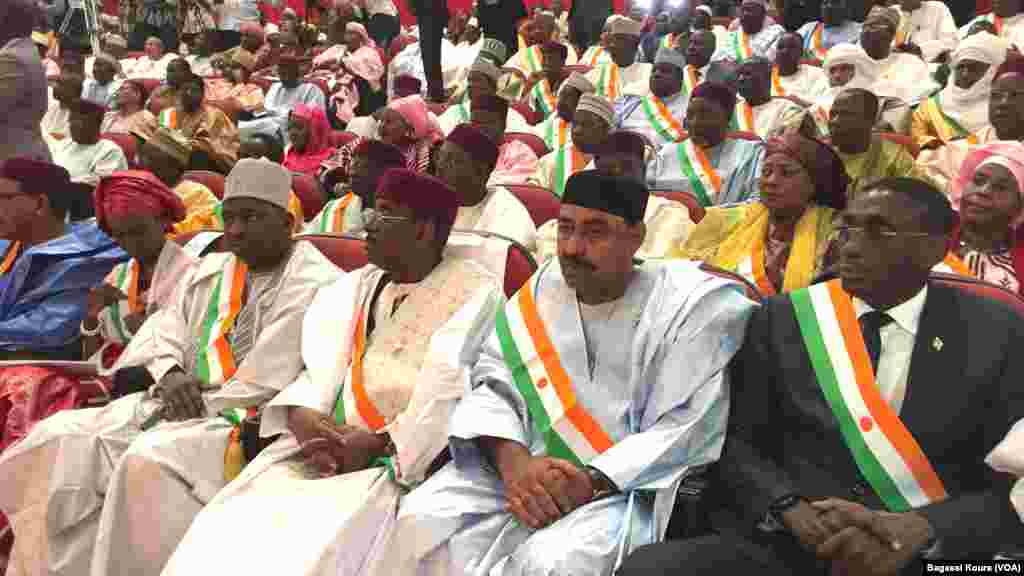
(989, 241)
(309, 133)
(359, 76)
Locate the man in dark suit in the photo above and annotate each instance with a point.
(432, 17)
(789, 495)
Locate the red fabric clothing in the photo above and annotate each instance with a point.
(318, 148)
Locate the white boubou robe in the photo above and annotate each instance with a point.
(282, 520)
(500, 212)
(88, 487)
(649, 368)
(613, 82)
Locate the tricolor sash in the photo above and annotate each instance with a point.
(690, 80)
(997, 22)
(885, 451)
(353, 406)
(595, 53)
(695, 166)
(608, 81)
(534, 60)
(668, 41)
(818, 49)
(777, 89)
(739, 44)
(332, 218)
(568, 161)
(215, 363)
(557, 134)
(169, 118)
(569, 431)
(743, 118)
(754, 270)
(954, 265)
(902, 31)
(666, 125)
(545, 97)
(124, 277)
(13, 249)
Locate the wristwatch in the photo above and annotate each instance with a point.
(603, 486)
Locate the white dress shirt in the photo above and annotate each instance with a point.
(897, 346)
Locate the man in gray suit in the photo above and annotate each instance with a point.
(22, 83)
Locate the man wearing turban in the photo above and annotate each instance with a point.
(228, 340)
(902, 75)
(400, 335)
(566, 458)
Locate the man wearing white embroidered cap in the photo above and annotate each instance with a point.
(623, 75)
(94, 482)
(591, 124)
(659, 115)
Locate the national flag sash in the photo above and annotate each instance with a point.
(668, 41)
(463, 109)
(777, 89)
(752, 268)
(557, 133)
(953, 264)
(595, 53)
(666, 125)
(534, 60)
(568, 161)
(169, 118)
(740, 44)
(690, 80)
(743, 118)
(354, 406)
(215, 363)
(886, 452)
(608, 81)
(545, 97)
(333, 216)
(818, 49)
(124, 277)
(569, 431)
(705, 182)
(13, 249)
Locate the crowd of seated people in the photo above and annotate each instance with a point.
(706, 296)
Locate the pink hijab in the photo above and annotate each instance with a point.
(319, 146)
(1006, 153)
(414, 110)
(365, 62)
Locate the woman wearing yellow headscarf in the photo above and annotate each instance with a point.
(782, 241)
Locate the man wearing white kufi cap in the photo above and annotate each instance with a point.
(961, 108)
(754, 36)
(94, 485)
(482, 80)
(591, 124)
(659, 115)
(598, 53)
(556, 129)
(624, 74)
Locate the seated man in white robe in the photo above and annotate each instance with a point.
(758, 111)
(835, 27)
(755, 36)
(1006, 20)
(597, 54)
(386, 351)
(926, 28)
(556, 129)
(66, 95)
(541, 90)
(604, 382)
(516, 160)
(668, 222)
(902, 75)
(482, 81)
(591, 125)
(659, 115)
(464, 162)
(624, 74)
(103, 85)
(801, 83)
(715, 169)
(84, 155)
(281, 98)
(86, 487)
(344, 215)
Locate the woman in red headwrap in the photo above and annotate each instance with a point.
(782, 241)
(309, 133)
(137, 210)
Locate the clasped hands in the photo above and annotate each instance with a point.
(858, 541)
(331, 449)
(540, 490)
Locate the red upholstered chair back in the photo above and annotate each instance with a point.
(128, 144)
(541, 203)
(339, 138)
(151, 84)
(212, 180)
(744, 136)
(519, 263)
(532, 116)
(532, 140)
(903, 140)
(751, 291)
(686, 199)
(307, 188)
(981, 288)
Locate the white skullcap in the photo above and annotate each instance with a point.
(627, 27)
(473, 22)
(579, 82)
(598, 105)
(260, 179)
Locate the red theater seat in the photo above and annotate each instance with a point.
(307, 188)
(981, 288)
(212, 180)
(541, 203)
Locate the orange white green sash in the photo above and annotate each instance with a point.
(739, 43)
(997, 22)
(169, 118)
(953, 264)
(556, 135)
(354, 406)
(668, 41)
(743, 118)
(666, 125)
(885, 451)
(13, 249)
(777, 89)
(705, 182)
(124, 277)
(568, 161)
(216, 363)
(818, 49)
(690, 80)
(545, 97)
(534, 60)
(332, 217)
(593, 56)
(608, 81)
(569, 431)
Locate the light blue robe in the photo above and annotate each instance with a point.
(738, 162)
(659, 390)
(847, 33)
(278, 103)
(630, 115)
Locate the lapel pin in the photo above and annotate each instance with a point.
(937, 344)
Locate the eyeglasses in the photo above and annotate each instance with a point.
(372, 217)
(843, 233)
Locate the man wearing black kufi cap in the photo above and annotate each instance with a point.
(602, 384)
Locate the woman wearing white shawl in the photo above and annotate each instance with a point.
(961, 109)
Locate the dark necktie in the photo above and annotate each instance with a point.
(870, 327)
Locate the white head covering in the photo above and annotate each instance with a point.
(969, 107)
(867, 69)
(260, 179)
(598, 105)
(626, 26)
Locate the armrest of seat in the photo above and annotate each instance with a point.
(690, 514)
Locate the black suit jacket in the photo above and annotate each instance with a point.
(960, 402)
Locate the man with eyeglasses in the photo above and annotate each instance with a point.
(603, 383)
(228, 342)
(344, 214)
(863, 409)
(387, 351)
